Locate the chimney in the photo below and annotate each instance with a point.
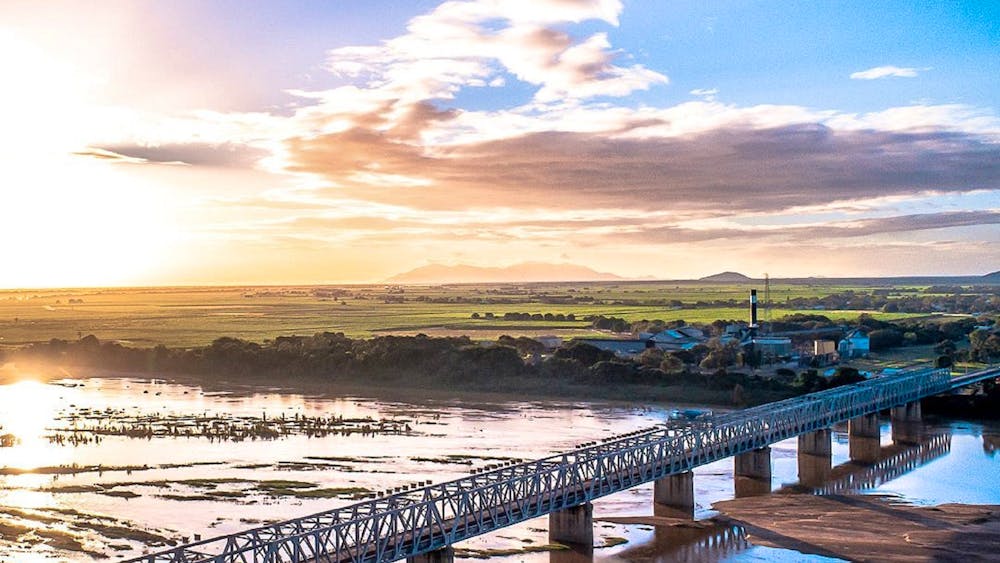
(753, 308)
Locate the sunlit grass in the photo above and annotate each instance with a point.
(196, 316)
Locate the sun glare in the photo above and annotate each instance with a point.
(66, 231)
(27, 410)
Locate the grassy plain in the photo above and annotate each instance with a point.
(191, 316)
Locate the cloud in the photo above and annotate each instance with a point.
(888, 71)
(668, 234)
(475, 43)
(732, 169)
(109, 156)
(708, 94)
(195, 154)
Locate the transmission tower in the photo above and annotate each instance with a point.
(767, 301)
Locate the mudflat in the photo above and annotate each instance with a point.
(868, 528)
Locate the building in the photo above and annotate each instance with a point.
(855, 344)
(824, 352)
(824, 347)
(674, 339)
(771, 347)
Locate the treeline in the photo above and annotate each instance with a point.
(450, 363)
(707, 372)
(936, 299)
(551, 317)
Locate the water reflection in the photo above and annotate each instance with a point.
(709, 541)
(717, 539)
(932, 463)
(28, 409)
(894, 461)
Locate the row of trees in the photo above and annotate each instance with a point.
(415, 360)
(551, 317)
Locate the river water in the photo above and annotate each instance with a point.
(96, 459)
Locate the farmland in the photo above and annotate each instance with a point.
(193, 316)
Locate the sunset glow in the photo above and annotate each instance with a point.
(150, 143)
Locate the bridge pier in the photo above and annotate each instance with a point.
(907, 423)
(673, 496)
(443, 555)
(573, 525)
(815, 457)
(752, 473)
(863, 438)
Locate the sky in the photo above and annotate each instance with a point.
(257, 142)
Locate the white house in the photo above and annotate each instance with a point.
(855, 344)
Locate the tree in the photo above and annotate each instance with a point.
(738, 395)
(946, 347)
(524, 345)
(651, 357)
(586, 354)
(562, 368)
(845, 376)
(881, 339)
(720, 355)
(612, 371)
(984, 345)
(809, 381)
(671, 364)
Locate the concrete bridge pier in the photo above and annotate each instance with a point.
(673, 496)
(907, 423)
(573, 525)
(815, 457)
(443, 555)
(863, 438)
(752, 472)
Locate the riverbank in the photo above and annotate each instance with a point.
(519, 388)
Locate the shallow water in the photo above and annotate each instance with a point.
(238, 481)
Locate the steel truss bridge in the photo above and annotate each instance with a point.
(421, 520)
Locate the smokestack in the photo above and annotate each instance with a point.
(753, 308)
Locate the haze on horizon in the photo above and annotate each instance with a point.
(253, 142)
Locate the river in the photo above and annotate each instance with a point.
(103, 466)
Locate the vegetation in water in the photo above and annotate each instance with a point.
(83, 426)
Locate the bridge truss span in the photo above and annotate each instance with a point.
(424, 519)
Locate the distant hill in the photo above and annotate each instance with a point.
(730, 277)
(525, 272)
(993, 277)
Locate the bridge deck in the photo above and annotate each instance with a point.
(421, 520)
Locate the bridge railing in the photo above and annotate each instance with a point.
(418, 521)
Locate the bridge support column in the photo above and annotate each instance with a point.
(673, 496)
(443, 555)
(907, 422)
(573, 525)
(752, 473)
(815, 457)
(863, 438)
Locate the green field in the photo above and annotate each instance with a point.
(196, 316)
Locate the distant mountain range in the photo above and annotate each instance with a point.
(524, 272)
(543, 272)
(730, 277)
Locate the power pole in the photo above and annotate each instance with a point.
(767, 302)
